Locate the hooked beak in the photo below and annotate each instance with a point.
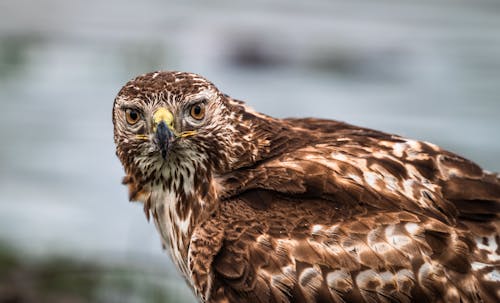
(163, 122)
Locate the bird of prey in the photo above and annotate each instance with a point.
(257, 209)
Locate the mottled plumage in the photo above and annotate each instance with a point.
(258, 209)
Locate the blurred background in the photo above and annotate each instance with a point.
(424, 69)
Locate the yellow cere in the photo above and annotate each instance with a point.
(163, 114)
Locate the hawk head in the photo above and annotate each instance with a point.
(167, 119)
(167, 124)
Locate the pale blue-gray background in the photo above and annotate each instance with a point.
(424, 69)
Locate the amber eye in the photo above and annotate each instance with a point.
(197, 111)
(132, 116)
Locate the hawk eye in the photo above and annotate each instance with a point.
(132, 116)
(197, 111)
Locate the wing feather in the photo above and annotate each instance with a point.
(361, 216)
(323, 256)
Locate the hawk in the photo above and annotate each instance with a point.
(257, 209)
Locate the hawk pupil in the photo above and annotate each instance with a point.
(197, 110)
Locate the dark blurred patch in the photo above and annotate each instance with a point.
(372, 65)
(14, 53)
(376, 64)
(64, 280)
(255, 53)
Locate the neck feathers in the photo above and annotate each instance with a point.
(183, 199)
(257, 137)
